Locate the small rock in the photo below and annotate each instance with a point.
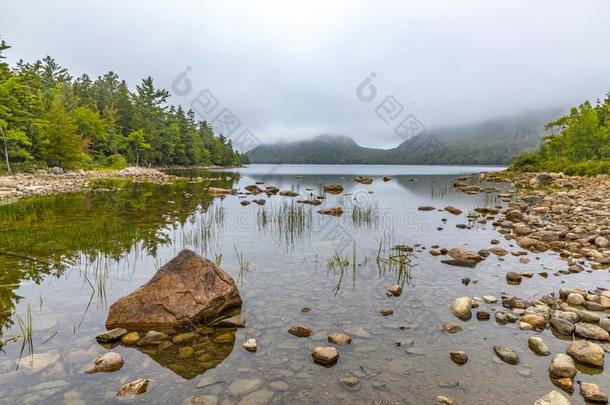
(513, 277)
(443, 400)
(538, 346)
(237, 321)
(507, 354)
(131, 389)
(106, 363)
(130, 338)
(483, 315)
(490, 299)
(339, 338)
(250, 345)
(184, 337)
(111, 335)
(552, 398)
(395, 290)
(452, 328)
(461, 308)
(592, 393)
(459, 357)
(590, 331)
(562, 326)
(325, 355)
(386, 311)
(575, 299)
(152, 337)
(587, 353)
(350, 382)
(300, 331)
(562, 366)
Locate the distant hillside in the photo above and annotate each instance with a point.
(491, 142)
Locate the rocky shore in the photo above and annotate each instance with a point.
(55, 181)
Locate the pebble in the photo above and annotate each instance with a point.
(452, 328)
(552, 398)
(386, 311)
(300, 331)
(350, 382)
(250, 345)
(507, 354)
(562, 366)
(538, 346)
(339, 338)
(111, 335)
(106, 363)
(459, 357)
(133, 388)
(325, 355)
(592, 393)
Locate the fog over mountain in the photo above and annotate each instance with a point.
(290, 70)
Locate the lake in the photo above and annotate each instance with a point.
(65, 258)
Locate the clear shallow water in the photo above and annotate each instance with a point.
(68, 257)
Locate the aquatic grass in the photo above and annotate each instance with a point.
(365, 215)
(339, 265)
(396, 259)
(218, 259)
(27, 330)
(244, 265)
(289, 222)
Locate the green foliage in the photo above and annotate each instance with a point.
(49, 118)
(581, 147)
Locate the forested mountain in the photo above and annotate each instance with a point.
(579, 143)
(491, 142)
(49, 118)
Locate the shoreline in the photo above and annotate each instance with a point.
(21, 185)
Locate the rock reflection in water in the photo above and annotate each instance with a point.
(190, 354)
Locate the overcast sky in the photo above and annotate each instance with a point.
(290, 69)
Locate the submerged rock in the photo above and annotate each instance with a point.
(250, 345)
(452, 328)
(461, 308)
(106, 363)
(552, 398)
(188, 289)
(339, 338)
(111, 335)
(507, 354)
(300, 331)
(538, 346)
(459, 357)
(133, 388)
(152, 338)
(325, 355)
(443, 400)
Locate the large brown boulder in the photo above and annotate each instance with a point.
(188, 289)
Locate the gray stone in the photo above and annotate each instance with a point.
(538, 346)
(587, 353)
(562, 366)
(507, 354)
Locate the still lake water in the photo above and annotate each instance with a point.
(66, 258)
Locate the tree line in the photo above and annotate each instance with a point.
(579, 143)
(48, 118)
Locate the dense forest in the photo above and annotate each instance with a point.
(579, 143)
(48, 118)
(491, 142)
